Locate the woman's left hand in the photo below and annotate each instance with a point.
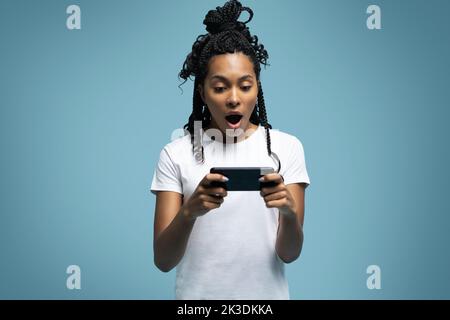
(277, 196)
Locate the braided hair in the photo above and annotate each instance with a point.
(225, 35)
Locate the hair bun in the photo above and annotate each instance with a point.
(226, 18)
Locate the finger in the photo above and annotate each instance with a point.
(269, 190)
(213, 177)
(216, 195)
(218, 192)
(276, 203)
(208, 198)
(274, 177)
(207, 206)
(275, 196)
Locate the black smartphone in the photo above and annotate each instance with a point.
(242, 178)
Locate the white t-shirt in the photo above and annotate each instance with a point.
(231, 250)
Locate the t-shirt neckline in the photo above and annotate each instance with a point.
(207, 138)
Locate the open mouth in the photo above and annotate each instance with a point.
(233, 118)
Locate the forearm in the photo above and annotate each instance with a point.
(171, 244)
(289, 238)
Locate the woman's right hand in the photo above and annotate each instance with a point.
(206, 196)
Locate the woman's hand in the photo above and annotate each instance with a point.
(277, 196)
(207, 196)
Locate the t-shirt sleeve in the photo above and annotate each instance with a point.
(166, 176)
(295, 170)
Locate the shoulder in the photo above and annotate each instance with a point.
(177, 148)
(285, 139)
(179, 144)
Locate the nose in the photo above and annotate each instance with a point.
(233, 99)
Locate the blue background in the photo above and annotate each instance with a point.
(85, 113)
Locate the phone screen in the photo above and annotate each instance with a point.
(241, 178)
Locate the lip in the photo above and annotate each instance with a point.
(236, 125)
(232, 113)
(233, 126)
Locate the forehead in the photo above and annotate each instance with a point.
(230, 64)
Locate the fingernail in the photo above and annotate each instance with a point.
(225, 179)
(261, 179)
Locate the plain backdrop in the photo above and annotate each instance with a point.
(85, 113)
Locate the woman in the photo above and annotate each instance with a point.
(228, 245)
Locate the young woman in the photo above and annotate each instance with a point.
(228, 245)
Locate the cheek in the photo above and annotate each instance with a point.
(214, 105)
(253, 99)
(214, 109)
(251, 103)
(214, 100)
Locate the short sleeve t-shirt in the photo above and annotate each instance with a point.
(231, 250)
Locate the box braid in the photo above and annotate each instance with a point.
(225, 35)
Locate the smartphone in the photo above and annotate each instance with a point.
(242, 178)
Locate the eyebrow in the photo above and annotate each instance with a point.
(220, 77)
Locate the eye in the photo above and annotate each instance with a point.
(246, 88)
(219, 89)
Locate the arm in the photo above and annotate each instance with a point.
(290, 228)
(172, 229)
(290, 202)
(174, 221)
